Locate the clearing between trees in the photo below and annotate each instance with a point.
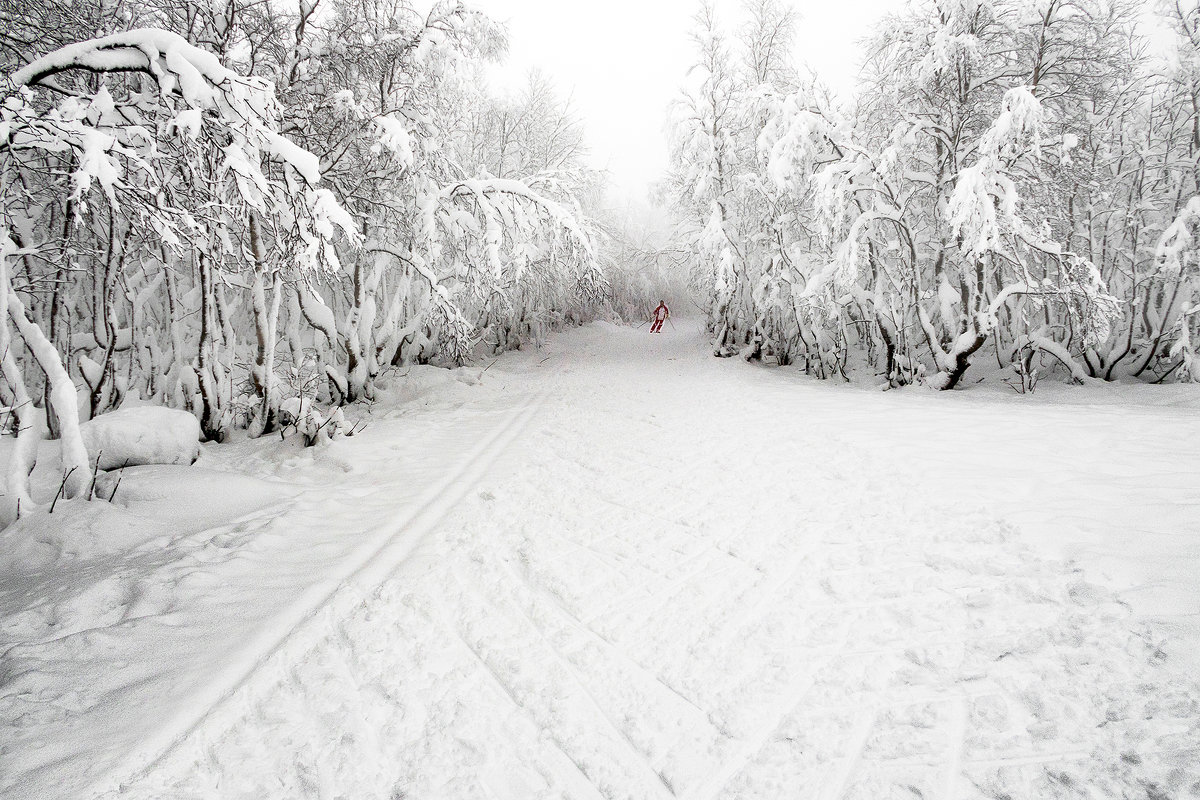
(618, 567)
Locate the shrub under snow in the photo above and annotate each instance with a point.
(142, 435)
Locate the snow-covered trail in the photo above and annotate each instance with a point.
(107, 662)
(666, 575)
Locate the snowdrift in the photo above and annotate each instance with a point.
(142, 435)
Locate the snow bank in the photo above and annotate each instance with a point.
(423, 382)
(151, 505)
(142, 435)
(78, 529)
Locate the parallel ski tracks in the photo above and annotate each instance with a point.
(837, 693)
(384, 551)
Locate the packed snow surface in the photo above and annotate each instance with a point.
(142, 435)
(620, 568)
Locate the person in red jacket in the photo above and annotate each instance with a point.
(660, 316)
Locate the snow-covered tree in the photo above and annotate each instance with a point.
(237, 208)
(1012, 175)
(704, 159)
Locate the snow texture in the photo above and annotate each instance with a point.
(620, 568)
(142, 435)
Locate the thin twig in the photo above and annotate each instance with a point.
(95, 474)
(117, 485)
(62, 489)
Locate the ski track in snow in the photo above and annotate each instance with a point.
(667, 576)
(389, 526)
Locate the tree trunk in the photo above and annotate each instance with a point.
(265, 324)
(210, 415)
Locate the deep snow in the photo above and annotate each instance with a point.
(139, 435)
(618, 567)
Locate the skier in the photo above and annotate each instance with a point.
(660, 316)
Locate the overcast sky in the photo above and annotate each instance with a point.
(623, 61)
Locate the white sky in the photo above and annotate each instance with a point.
(623, 61)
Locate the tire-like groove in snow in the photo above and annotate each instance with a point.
(382, 553)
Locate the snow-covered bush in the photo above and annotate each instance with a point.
(204, 208)
(1011, 175)
(302, 414)
(130, 437)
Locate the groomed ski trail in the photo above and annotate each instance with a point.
(383, 551)
(390, 540)
(684, 590)
(690, 578)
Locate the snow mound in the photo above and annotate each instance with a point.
(142, 435)
(151, 506)
(78, 529)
